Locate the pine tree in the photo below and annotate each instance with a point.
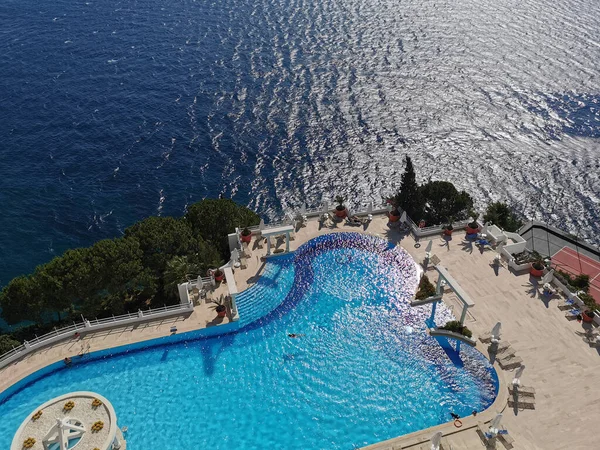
(409, 196)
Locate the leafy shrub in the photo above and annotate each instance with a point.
(214, 219)
(589, 301)
(114, 276)
(443, 202)
(7, 343)
(426, 289)
(503, 216)
(579, 282)
(456, 327)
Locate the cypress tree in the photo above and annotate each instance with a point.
(409, 196)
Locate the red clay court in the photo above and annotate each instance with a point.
(568, 260)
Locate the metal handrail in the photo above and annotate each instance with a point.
(68, 330)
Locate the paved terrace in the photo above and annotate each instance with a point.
(560, 366)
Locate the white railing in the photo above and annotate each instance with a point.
(88, 326)
(433, 229)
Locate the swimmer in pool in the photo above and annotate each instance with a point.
(294, 335)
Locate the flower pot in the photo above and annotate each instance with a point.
(341, 212)
(536, 272)
(394, 216)
(222, 313)
(472, 230)
(219, 276)
(448, 232)
(588, 316)
(246, 238)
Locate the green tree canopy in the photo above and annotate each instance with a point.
(117, 276)
(162, 238)
(503, 216)
(19, 300)
(7, 343)
(123, 274)
(443, 202)
(63, 281)
(214, 219)
(178, 270)
(409, 197)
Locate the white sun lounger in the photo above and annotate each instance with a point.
(522, 402)
(521, 391)
(510, 363)
(507, 440)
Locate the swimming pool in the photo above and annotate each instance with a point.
(361, 370)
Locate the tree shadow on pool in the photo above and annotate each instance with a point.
(211, 349)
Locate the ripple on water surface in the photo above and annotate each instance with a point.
(111, 113)
(362, 369)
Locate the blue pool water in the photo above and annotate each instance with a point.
(362, 371)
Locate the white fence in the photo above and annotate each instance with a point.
(572, 296)
(508, 251)
(291, 218)
(88, 326)
(434, 229)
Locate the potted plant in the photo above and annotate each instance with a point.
(221, 311)
(448, 228)
(591, 307)
(220, 307)
(394, 215)
(218, 274)
(426, 289)
(340, 209)
(537, 268)
(588, 316)
(456, 327)
(472, 227)
(246, 235)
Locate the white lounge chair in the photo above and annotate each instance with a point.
(522, 402)
(510, 363)
(593, 340)
(438, 442)
(521, 391)
(493, 336)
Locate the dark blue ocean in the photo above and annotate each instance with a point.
(112, 111)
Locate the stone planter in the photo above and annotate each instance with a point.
(453, 335)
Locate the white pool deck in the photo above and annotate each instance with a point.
(562, 368)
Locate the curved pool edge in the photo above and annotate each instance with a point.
(418, 437)
(448, 429)
(50, 365)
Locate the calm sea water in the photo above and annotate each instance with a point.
(112, 111)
